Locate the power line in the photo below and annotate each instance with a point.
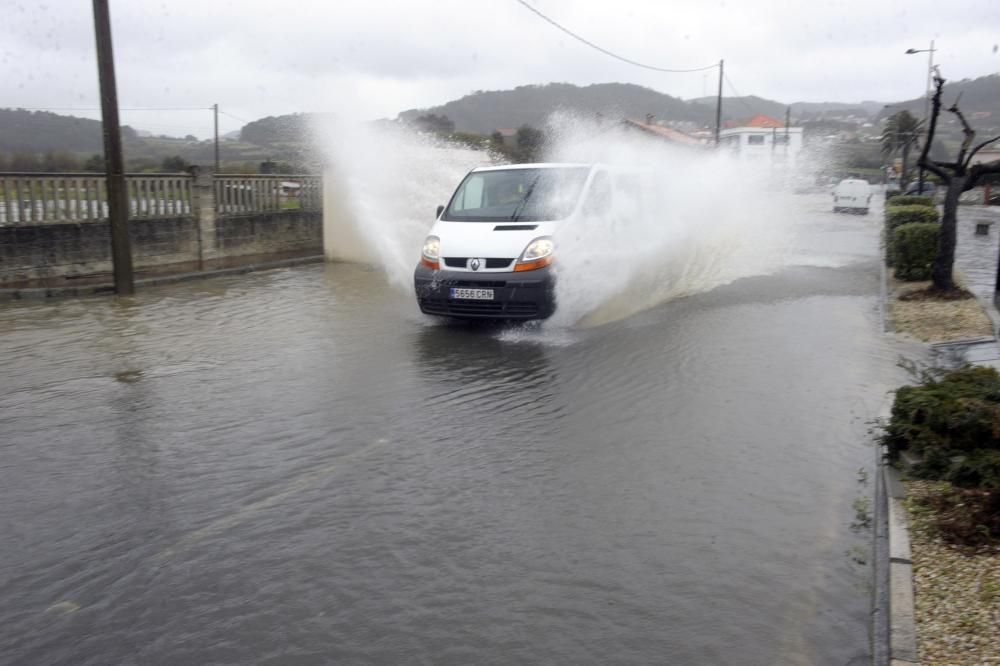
(226, 113)
(607, 52)
(97, 108)
(736, 93)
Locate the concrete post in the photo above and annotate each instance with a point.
(203, 208)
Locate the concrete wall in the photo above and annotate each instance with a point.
(53, 254)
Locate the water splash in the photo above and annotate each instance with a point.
(717, 219)
(390, 180)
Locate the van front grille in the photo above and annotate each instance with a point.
(462, 262)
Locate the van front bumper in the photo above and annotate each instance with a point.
(524, 295)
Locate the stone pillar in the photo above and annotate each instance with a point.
(203, 208)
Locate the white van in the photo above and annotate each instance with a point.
(852, 195)
(491, 252)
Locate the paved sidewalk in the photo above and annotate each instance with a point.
(894, 623)
(976, 256)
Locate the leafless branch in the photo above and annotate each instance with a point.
(924, 161)
(970, 134)
(936, 169)
(979, 170)
(980, 147)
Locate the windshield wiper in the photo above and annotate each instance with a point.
(520, 204)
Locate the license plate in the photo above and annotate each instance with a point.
(472, 294)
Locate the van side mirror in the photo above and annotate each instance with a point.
(440, 208)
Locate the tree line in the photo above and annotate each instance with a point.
(63, 161)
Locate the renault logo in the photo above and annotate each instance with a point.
(474, 264)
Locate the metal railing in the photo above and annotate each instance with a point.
(82, 197)
(236, 195)
(50, 198)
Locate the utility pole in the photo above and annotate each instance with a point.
(215, 110)
(927, 106)
(121, 249)
(927, 96)
(927, 90)
(718, 106)
(788, 123)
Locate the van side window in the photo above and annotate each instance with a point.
(599, 196)
(472, 195)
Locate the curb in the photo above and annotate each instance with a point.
(98, 289)
(902, 621)
(894, 635)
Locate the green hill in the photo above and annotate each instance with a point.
(40, 131)
(485, 111)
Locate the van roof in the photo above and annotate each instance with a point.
(538, 165)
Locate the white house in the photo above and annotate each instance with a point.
(763, 140)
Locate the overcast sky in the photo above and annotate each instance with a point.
(370, 59)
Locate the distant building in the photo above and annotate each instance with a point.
(508, 135)
(986, 155)
(668, 134)
(763, 140)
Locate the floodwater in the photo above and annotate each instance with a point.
(296, 467)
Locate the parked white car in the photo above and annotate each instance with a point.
(852, 195)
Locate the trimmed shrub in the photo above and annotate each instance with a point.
(909, 200)
(914, 247)
(953, 424)
(899, 215)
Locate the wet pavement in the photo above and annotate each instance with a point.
(296, 467)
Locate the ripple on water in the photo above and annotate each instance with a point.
(294, 462)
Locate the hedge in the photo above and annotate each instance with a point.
(914, 247)
(952, 424)
(909, 200)
(899, 215)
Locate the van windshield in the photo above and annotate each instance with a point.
(526, 195)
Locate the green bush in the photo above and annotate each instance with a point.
(909, 200)
(914, 247)
(899, 215)
(896, 216)
(953, 425)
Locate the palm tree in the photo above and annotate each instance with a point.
(901, 133)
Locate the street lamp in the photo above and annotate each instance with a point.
(927, 95)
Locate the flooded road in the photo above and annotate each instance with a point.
(296, 467)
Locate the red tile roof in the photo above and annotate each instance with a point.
(760, 120)
(668, 133)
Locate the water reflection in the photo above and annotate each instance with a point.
(333, 473)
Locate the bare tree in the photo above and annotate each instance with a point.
(958, 176)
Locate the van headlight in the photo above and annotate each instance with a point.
(537, 255)
(430, 256)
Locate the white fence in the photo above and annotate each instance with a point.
(235, 195)
(34, 198)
